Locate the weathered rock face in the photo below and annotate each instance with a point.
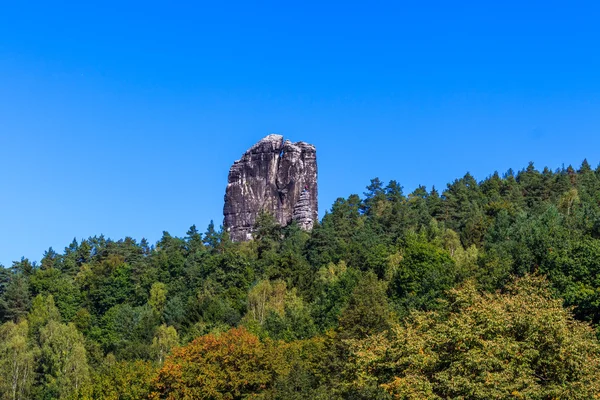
(273, 176)
(303, 213)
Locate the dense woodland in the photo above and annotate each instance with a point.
(485, 290)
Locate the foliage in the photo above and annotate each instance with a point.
(17, 361)
(164, 340)
(294, 307)
(232, 365)
(63, 360)
(16, 298)
(122, 380)
(423, 274)
(367, 312)
(518, 344)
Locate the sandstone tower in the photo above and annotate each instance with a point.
(273, 176)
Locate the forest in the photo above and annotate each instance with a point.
(484, 290)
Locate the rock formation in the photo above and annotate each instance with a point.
(303, 213)
(276, 177)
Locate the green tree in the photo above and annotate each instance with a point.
(17, 361)
(266, 297)
(267, 234)
(158, 297)
(367, 312)
(164, 340)
(43, 310)
(375, 199)
(293, 323)
(61, 286)
(16, 298)
(127, 331)
(333, 290)
(63, 361)
(24, 267)
(210, 236)
(569, 200)
(194, 240)
(106, 283)
(50, 259)
(425, 271)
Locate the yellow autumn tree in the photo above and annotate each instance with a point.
(232, 365)
(520, 343)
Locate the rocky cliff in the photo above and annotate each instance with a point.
(276, 176)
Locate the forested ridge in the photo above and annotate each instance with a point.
(485, 290)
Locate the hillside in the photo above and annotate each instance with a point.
(484, 290)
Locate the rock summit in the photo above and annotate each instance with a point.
(275, 176)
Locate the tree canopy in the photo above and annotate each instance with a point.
(486, 289)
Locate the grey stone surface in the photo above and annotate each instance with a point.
(276, 176)
(303, 213)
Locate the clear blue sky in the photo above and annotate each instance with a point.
(122, 118)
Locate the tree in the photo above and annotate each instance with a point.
(63, 361)
(267, 234)
(233, 365)
(61, 286)
(367, 312)
(43, 310)
(212, 238)
(50, 259)
(333, 290)
(306, 374)
(127, 331)
(17, 299)
(434, 203)
(375, 198)
(424, 273)
(24, 267)
(158, 297)
(164, 340)
(17, 361)
(569, 200)
(106, 283)
(194, 240)
(123, 380)
(266, 297)
(520, 343)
